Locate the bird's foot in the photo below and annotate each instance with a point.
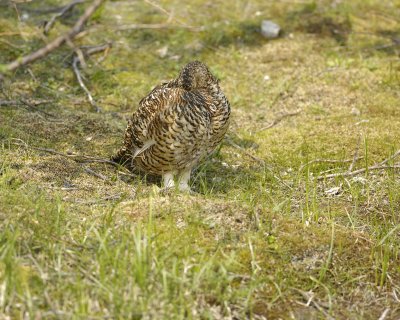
(184, 187)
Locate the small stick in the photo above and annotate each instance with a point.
(56, 43)
(49, 24)
(23, 102)
(79, 58)
(259, 160)
(327, 161)
(82, 85)
(384, 314)
(94, 173)
(355, 158)
(310, 300)
(233, 144)
(78, 158)
(279, 119)
(74, 157)
(380, 166)
(356, 172)
(397, 153)
(156, 26)
(89, 202)
(166, 12)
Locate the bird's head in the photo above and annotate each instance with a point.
(196, 75)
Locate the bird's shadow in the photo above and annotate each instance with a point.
(211, 176)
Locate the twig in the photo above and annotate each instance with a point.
(355, 158)
(380, 166)
(77, 158)
(384, 314)
(117, 196)
(23, 102)
(79, 58)
(42, 52)
(259, 160)
(82, 85)
(310, 300)
(279, 119)
(396, 154)
(94, 173)
(169, 14)
(29, 104)
(138, 26)
(89, 50)
(74, 157)
(356, 172)
(328, 161)
(49, 24)
(233, 144)
(10, 103)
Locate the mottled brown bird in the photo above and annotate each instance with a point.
(176, 125)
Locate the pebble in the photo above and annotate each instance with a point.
(162, 52)
(269, 29)
(355, 112)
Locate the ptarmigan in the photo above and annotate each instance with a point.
(176, 125)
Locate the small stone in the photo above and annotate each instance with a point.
(355, 112)
(162, 52)
(269, 29)
(333, 191)
(267, 78)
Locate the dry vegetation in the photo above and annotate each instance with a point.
(267, 235)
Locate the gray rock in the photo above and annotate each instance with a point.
(269, 29)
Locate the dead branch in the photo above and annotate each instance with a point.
(79, 59)
(78, 158)
(94, 173)
(56, 43)
(90, 50)
(138, 26)
(328, 161)
(169, 14)
(81, 83)
(356, 172)
(257, 159)
(114, 197)
(49, 24)
(10, 103)
(23, 102)
(75, 157)
(233, 144)
(396, 154)
(29, 104)
(310, 300)
(355, 157)
(380, 166)
(279, 119)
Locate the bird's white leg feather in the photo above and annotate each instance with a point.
(168, 180)
(184, 180)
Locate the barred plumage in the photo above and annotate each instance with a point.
(176, 124)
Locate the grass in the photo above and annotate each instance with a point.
(261, 238)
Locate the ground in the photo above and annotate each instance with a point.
(267, 234)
